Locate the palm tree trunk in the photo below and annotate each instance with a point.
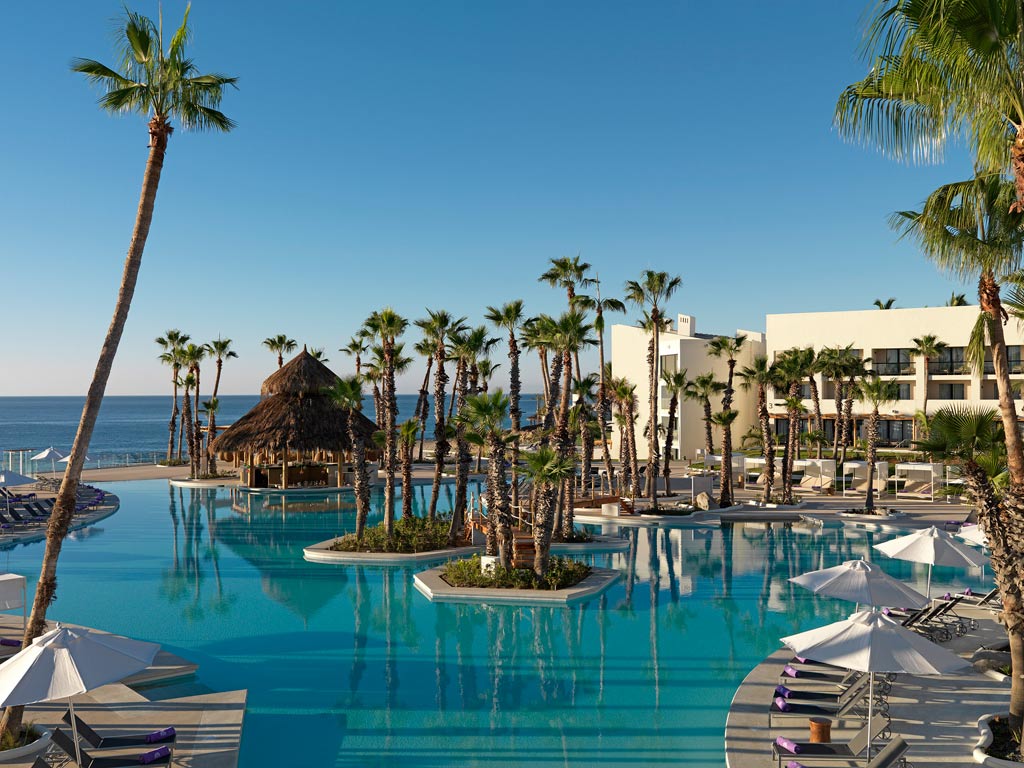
(727, 433)
(462, 458)
(515, 414)
(725, 498)
(767, 443)
(991, 305)
(422, 406)
(602, 405)
(709, 436)
(361, 479)
(817, 411)
(440, 439)
(390, 404)
(501, 511)
(869, 503)
(197, 433)
(407, 448)
(543, 522)
(673, 404)
(211, 433)
(174, 417)
(634, 464)
(64, 508)
(652, 424)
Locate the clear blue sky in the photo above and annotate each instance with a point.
(438, 154)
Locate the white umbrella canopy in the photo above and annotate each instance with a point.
(973, 534)
(861, 582)
(869, 641)
(65, 662)
(9, 478)
(50, 453)
(67, 459)
(934, 547)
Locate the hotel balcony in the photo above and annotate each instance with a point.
(893, 369)
(1016, 366)
(946, 368)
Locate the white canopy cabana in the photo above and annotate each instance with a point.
(855, 477)
(738, 464)
(819, 474)
(918, 479)
(12, 594)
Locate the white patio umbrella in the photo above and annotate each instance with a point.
(934, 547)
(863, 583)
(10, 479)
(65, 662)
(973, 535)
(67, 459)
(871, 642)
(52, 454)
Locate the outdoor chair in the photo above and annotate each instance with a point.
(846, 752)
(921, 622)
(893, 753)
(156, 738)
(157, 756)
(847, 703)
(949, 616)
(982, 600)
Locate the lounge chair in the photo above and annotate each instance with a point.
(892, 754)
(921, 622)
(980, 601)
(847, 703)
(156, 738)
(161, 755)
(848, 751)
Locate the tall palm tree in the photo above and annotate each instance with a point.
(319, 353)
(509, 317)
(210, 408)
(193, 355)
(701, 390)
(855, 371)
(790, 368)
(725, 419)
(599, 305)
(572, 333)
(728, 347)
(878, 392)
(652, 291)
(187, 383)
(220, 350)
(675, 383)
(833, 363)
(171, 344)
(347, 394)
(625, 398)
(280, 345)
(569, 273)
(407, 434)
(387, 326)
(926, 347)
(762, 375)
(887, 304)
(425, 349)
(534, 339)
(586, 424)
(956, 300)
(484, 416)
(357, 347)
(548, 470)
(942, 69)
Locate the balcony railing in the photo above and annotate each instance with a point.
(1016, 366)
(948, 368)
(892, 369)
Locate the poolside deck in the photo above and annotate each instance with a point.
(937, 716)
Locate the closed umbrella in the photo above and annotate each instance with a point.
(934, 547)
(871, 642)
(10, 478)
(65, 662)
(863, 583)
(52, 454)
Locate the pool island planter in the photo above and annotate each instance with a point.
(983, 758)
(432, 586)
(322, 553)
(24, 754)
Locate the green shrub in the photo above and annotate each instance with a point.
(409, 535)
(562, 572)
(578, 536)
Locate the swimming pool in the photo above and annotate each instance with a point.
(351, 666)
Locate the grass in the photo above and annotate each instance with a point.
(409, 536)
(562, 572)
(1004, 745)
(26, 735)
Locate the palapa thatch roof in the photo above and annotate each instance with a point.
(302, 375)
(302, 422)
(296, 414)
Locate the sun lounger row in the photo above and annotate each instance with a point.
(846, 700)
(892, 754)
(939, 622)
(155, 748)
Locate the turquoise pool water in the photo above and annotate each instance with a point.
(351, 666)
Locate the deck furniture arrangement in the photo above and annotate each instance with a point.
(855, 477)
(918, 479)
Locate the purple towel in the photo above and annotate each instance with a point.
(789, 671)
(801, 659)
(152, 756)
(788, 745)
(947, 596)
(968, 592)
(794, 764)
(886, 612)
(10, 642)
(157, 736)
(783, 691)
(782, 704)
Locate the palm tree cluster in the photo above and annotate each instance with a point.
(180, 354)
(941, 71)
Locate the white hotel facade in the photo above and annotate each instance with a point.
(882, 337)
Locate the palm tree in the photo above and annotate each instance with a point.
(568, 273)
(387, 325)
(878, 392)
(791, 369)
(725, 419)
(357, 347)
(280, 345)
(572, 333)
(220, 350)
(535, 340)
(548, 470)
(926, 347)
(407, 434)
(762, 375)
(347, 394)
(701, 390)
(319, 353)
(727, 347)
(956, 300)
(210, 408)
(187, 383)
(438, 327)
(599, 305)
(675, 383)
(509, 317)
(652, 291)
(887, 304)
(425, 349)
(941, 69)
(171, 344)
(484, 417)
(625, 398)
(192, 356)
(586, 424)
(855, 371)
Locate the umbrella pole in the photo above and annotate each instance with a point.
(871, 707)
(928, 594)
(74, 732)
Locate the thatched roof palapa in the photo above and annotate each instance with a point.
(297, 414)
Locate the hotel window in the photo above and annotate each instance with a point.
(949, 361)
(951, 391)
(1013, 358)
(903, 392)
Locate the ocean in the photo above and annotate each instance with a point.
(130, 429)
